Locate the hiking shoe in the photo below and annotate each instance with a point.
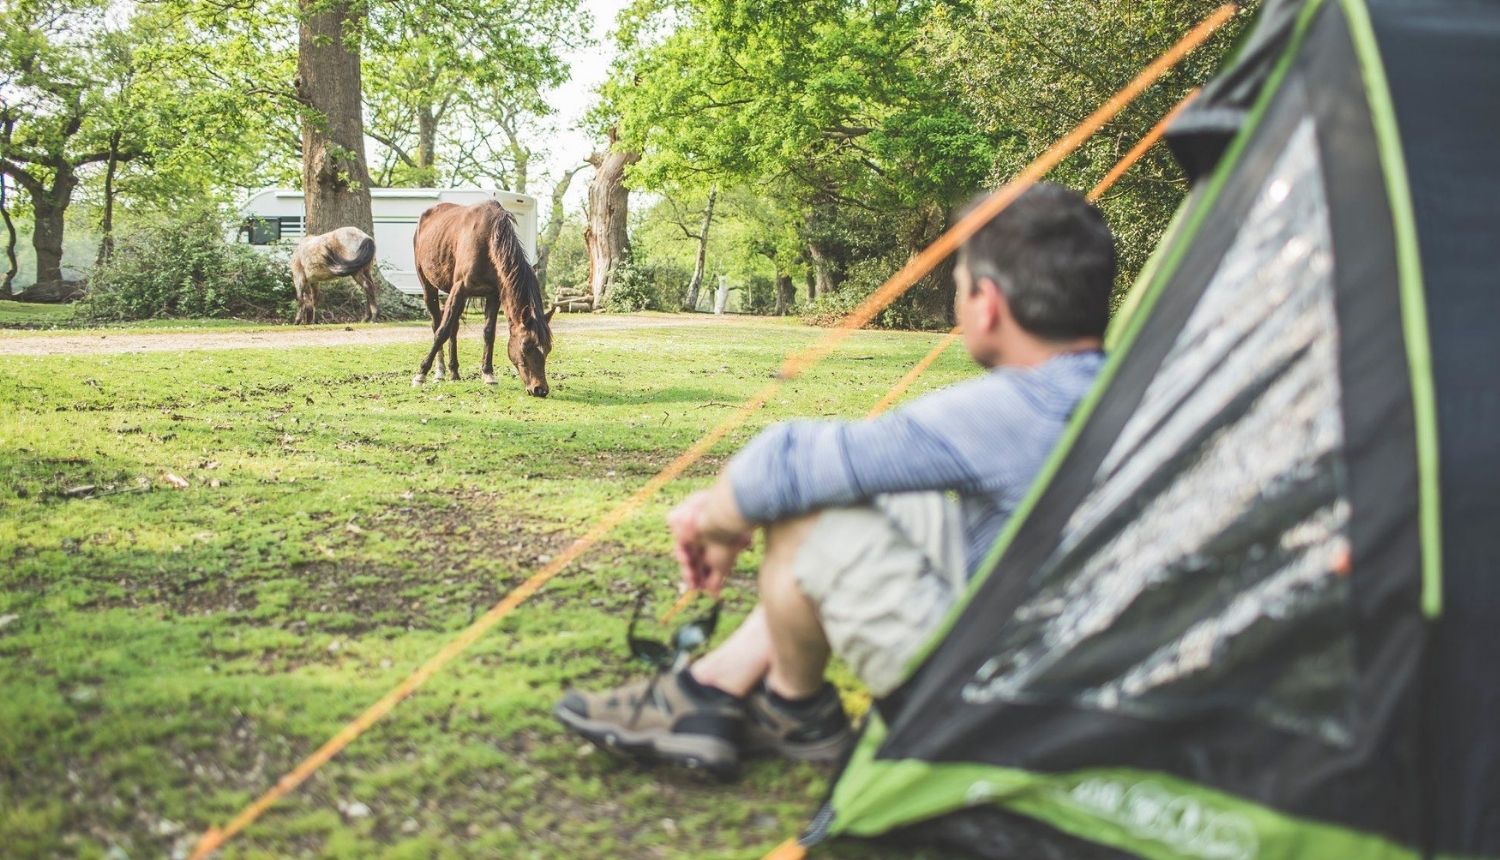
(811, 729)
(661, 719)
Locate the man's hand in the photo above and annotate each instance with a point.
(705, 547)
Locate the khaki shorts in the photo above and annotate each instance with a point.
(883, 577)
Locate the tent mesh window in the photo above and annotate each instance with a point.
(1221, 511)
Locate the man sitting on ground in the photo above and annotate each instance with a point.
(874, 527)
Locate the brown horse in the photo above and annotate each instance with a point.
(335, 254)
(473, 252)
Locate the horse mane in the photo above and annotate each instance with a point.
(521, 292)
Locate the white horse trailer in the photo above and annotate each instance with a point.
(274, 218)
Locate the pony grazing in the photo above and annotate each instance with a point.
(347, 251)
(473, 252)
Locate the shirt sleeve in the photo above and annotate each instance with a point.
(797, 467)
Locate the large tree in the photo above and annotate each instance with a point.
(111, 103)
(827, 101)
(335, 181)
(54, 72)
(1047, 63)
(453, 73)
(607, 234)
(873, 120)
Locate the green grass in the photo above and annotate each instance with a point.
(50, 317)
(167, 654)
(30, 315)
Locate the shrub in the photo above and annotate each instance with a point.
(641, 286)
(184, 268)
(925, 306)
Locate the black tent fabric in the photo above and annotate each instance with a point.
(1250, 608)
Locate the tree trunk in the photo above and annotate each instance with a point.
(335, 181)
(606, 237)
(825, 279)
(523, 167)
(697, 281)
(107, 222)
(48, 236)
(10, 239)
(786, 293)
(427, 126)
(555, 220)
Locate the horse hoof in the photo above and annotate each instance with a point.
(416, 381)
(489, 379)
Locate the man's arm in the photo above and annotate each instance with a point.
(798, 467)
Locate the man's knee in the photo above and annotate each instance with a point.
(784, 540)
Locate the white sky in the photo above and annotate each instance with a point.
(572, 100)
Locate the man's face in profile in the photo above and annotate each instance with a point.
(977, 314)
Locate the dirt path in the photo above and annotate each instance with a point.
(287, 337)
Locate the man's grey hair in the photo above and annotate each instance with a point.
(1053, 257)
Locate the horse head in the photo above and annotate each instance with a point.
(530, 341)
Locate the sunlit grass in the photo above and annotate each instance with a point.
(166, 654)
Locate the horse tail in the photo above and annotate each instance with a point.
(520, 291)
(362, 257)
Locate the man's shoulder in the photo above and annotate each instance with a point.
(1054, 386)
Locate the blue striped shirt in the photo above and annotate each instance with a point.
(984, 439)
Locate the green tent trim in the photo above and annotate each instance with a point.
(1413, 300)
(1105, 805)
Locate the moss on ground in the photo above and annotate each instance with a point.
(166, 654)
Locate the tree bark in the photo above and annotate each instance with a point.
(786, 293)
(555, 220)
(697, 282)
(606, 237)
(49, 208)
(520, 154)
(522, 158)
(107, 222)
(10, 239)
(335, 180)
(427, 128)
(825, 278)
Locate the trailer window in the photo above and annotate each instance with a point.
(260, 231)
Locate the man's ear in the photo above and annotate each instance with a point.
(991, 301)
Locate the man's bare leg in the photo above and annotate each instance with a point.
(741, 661)
(797, 654)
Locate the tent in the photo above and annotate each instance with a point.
(1252, 607)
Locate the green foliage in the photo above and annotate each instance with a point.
(859, 127)
(568, 265)
(1028, 70)
(169, 654)
(442, 75)
(184, 268)
(926, 306)
(642, 286)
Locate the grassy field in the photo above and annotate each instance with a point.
(48, 317)
(30, 315)
(166, 654)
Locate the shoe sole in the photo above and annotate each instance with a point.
(693, 752)
(828, 749)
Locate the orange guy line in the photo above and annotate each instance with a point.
(1140, 149)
